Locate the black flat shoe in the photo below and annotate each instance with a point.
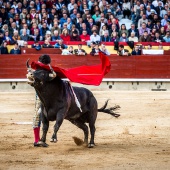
(40, 144)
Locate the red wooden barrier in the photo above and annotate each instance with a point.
(13, 66)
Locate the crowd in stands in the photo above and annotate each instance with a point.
(90, 21)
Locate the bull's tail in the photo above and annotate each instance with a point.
(110, 110)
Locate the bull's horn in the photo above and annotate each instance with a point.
(27, 63)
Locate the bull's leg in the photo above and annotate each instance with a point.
(92, 132)
(82, 126)
(59, 121)
(92, 120)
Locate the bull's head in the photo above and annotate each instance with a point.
(36, 78)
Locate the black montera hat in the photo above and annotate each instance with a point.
(45, 59)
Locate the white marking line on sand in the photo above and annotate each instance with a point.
(23, 123)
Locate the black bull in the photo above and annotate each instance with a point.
(58, 103)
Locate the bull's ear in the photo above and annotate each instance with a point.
(42, 75)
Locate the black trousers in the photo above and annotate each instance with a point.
(126, 12)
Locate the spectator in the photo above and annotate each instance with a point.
(151, 16)
(136, 50)
(95, 50)
(25, 44)
(114, 37)
(65, 27)
(74, 14)
(23, 14)
(156, 2)
(71, 5)
(76, 20)
(24, 35)
(5, 28)
(73, 29)
(102, 31)
(16, 36)
(55, 27)
(43, 31)
(157, 25)
(162, 31)
(158, 38)
(11, 13)
(84, 27)
(80, 51)
(13, 28)
(148, 11)
(95, 37)
(105, 37)
(143, 29)
(123, 37)
(3, 48)
(69, 23)
(104, 50)
(96, 16)
(149, 47)
(167, 37)
(142, 20)
(159, 8)
(56, 36)
(133, 37)
(28, 19)
(65, 35)
(116, 9)
(164, 20)
(59, 44)
(16, 49)
(126, 9)
(145, 37)
(8, 38)
(25, 26)
(113, 29)
(63, 20)
(167, 25)
(75, 36)
(164, 11)
(123, 30)
(149, 24)
(17, 20)
(48, 35)
(64, 51)
(71, 50)
(3, 14)
(47, 44)
(84, 36)
(35, 36)
(36, 45)
(122, 51)
(133, 29)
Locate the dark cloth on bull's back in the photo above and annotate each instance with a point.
(91, 75)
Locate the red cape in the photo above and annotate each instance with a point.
(90, 75)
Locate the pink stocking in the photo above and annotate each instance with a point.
(36, 134)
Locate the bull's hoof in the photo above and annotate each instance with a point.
(53, 140)
(91, 145)
(40, 144)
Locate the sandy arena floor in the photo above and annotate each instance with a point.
(138, 140)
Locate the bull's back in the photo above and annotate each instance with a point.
(88, 105)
